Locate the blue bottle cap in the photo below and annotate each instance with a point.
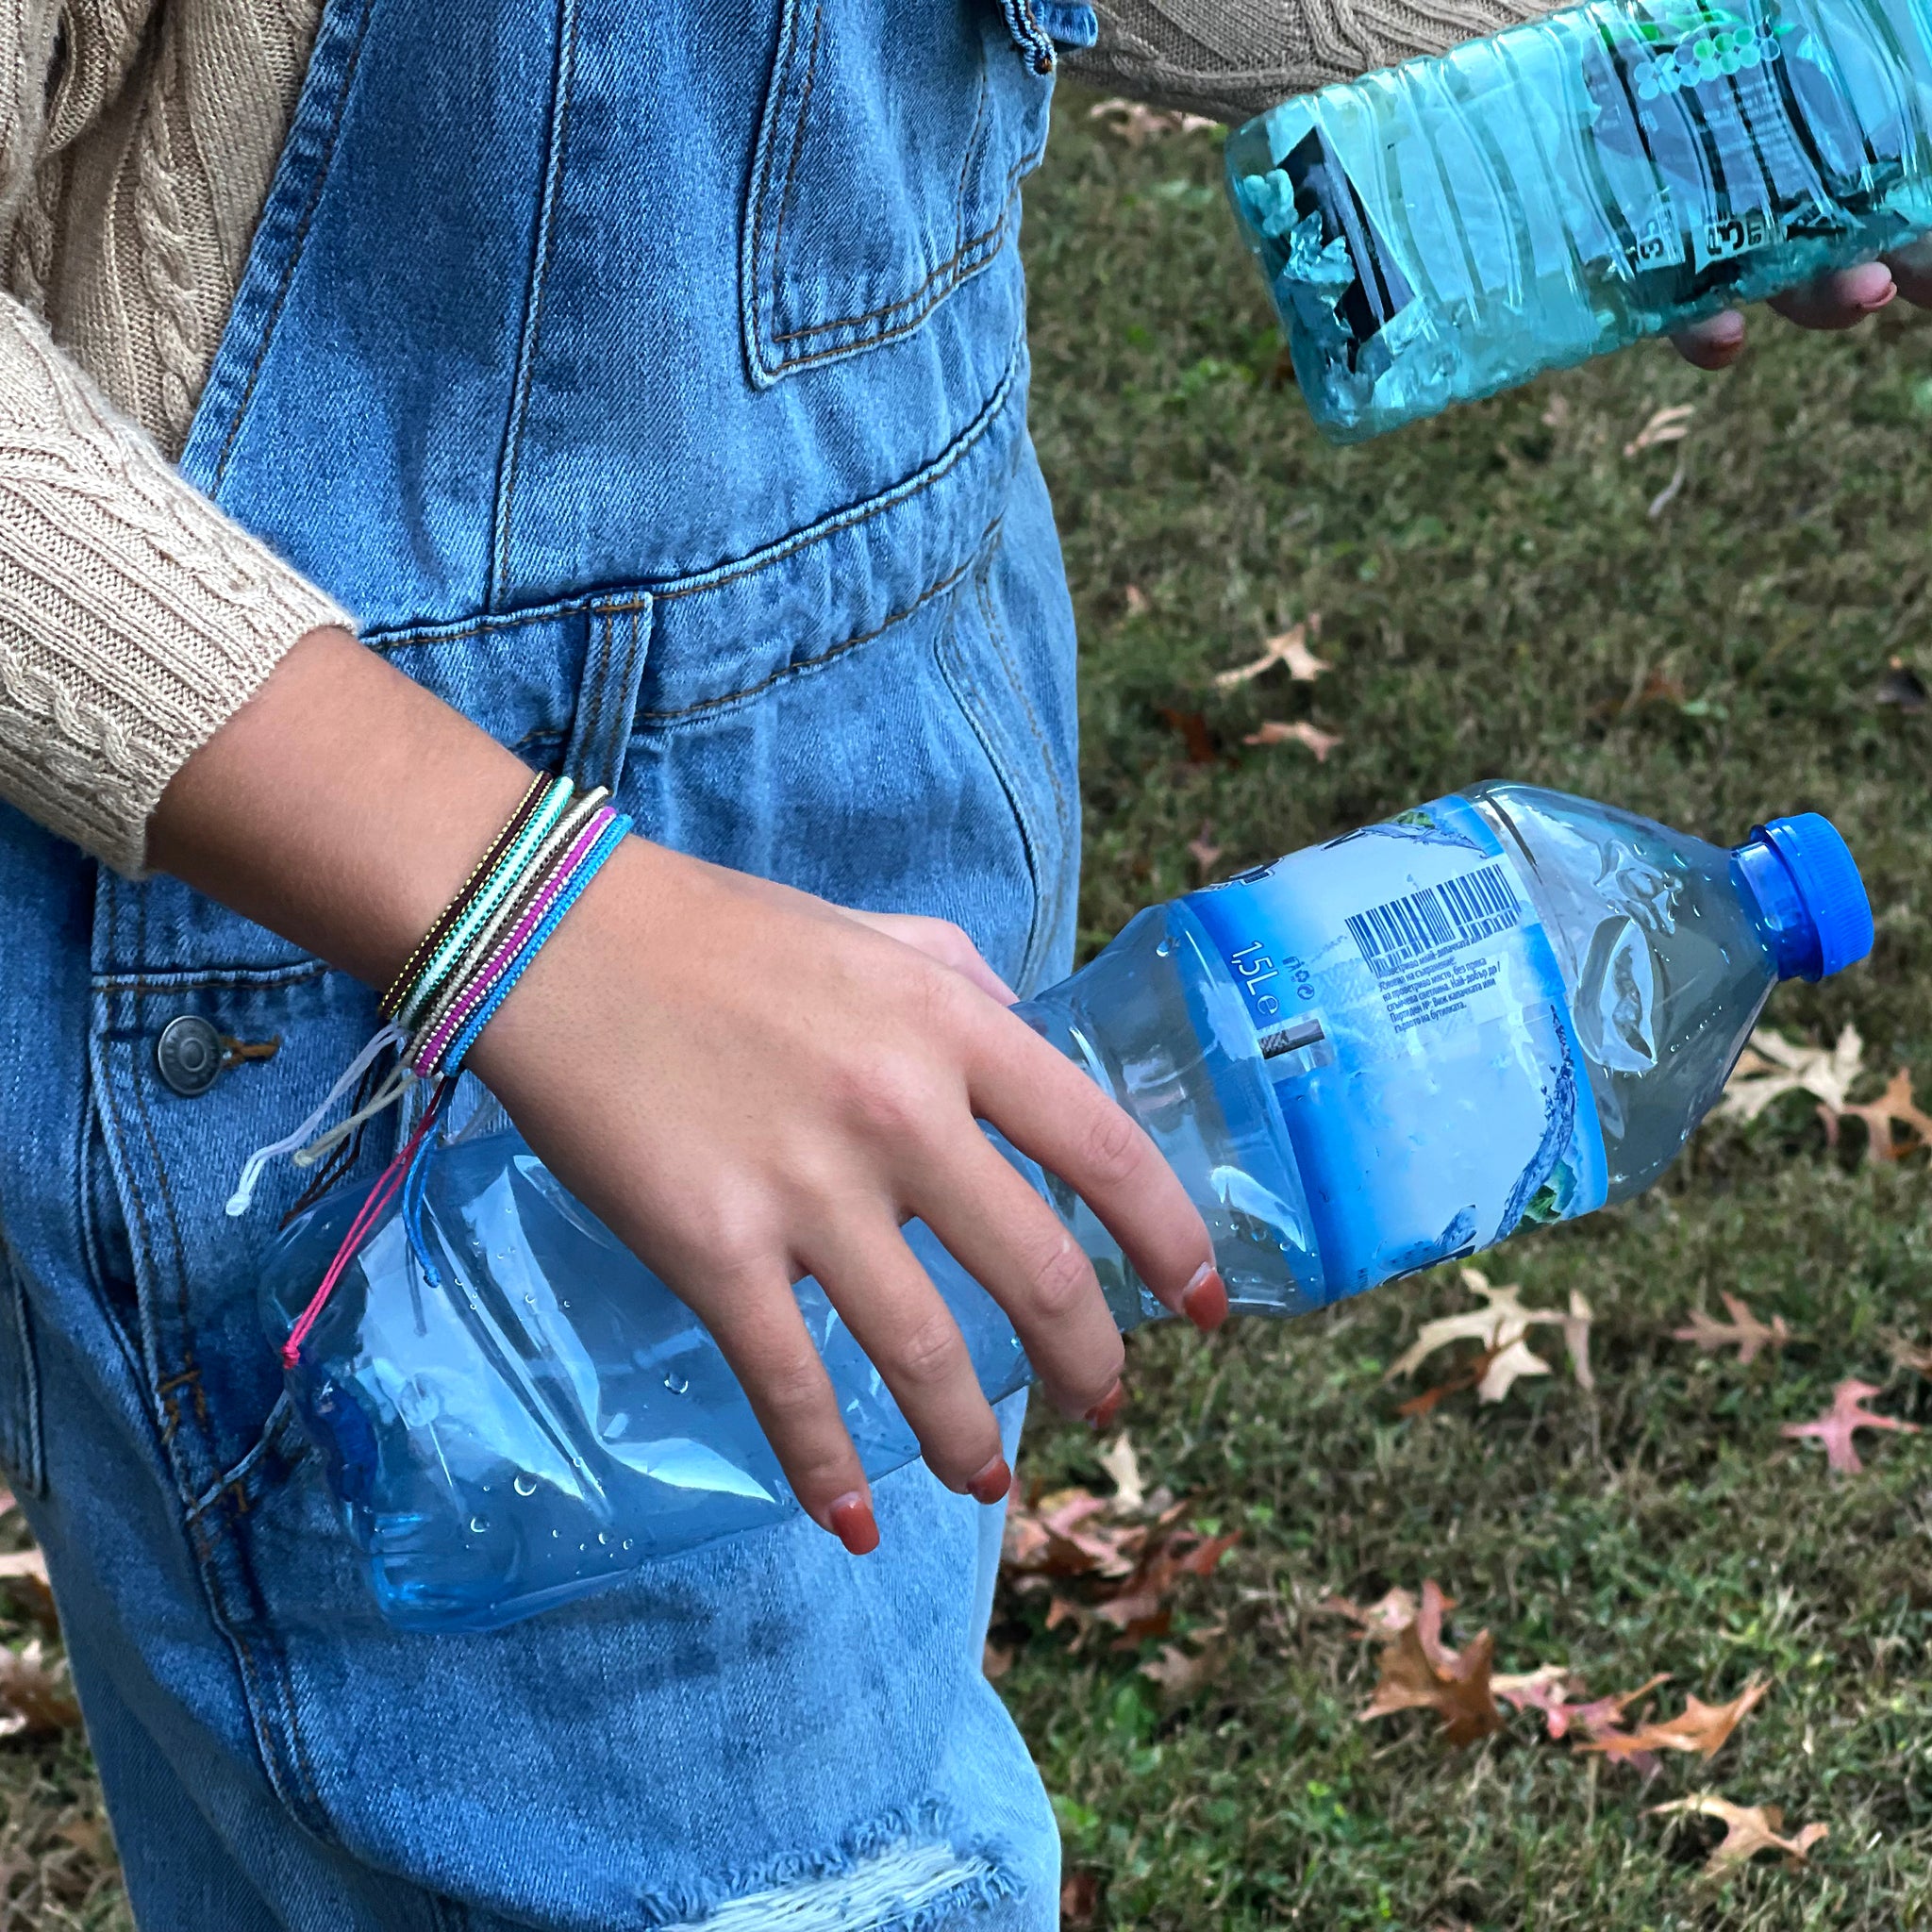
(1821, 867)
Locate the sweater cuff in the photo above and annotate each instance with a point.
(135, 617)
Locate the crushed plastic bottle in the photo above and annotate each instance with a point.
(1393, 1050)
(1444, 229)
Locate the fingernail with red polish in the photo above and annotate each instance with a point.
(1203, 1301)
(993, 1482)
(852, 1523)
(1104, 1412)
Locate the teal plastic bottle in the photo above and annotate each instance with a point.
(1444, 229)
(1505, 1007)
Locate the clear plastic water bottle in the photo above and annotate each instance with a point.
(1443, 230)
(1391, 1050)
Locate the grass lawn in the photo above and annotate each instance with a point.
(1496, 600)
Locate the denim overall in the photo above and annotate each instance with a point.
(651, 381)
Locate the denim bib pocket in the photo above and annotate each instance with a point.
(895, 138)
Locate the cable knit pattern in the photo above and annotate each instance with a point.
(134, 617)
(138, 139)
(1231, 59)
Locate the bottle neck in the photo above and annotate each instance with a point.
(1779, 912)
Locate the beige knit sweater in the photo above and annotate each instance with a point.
(137, 143)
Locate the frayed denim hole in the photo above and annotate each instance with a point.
(906, 1887)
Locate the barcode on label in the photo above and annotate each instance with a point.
(1455, 913)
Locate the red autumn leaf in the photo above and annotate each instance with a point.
(1835, 1427)
(1701, 1728)
(1193, 732)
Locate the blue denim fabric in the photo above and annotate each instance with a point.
(651, 382)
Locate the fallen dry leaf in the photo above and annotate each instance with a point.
(1421, 1673)
(1909, 1355)
(1205, 853)
(1136, 601)
(995, 1660)
(1467, 1377)
(1396, 1611)
(36, 1696)
(1136, 123)
(1701, 1728)
(1748, 1829)
(1772, 1066)
(1193, 732)
(1079, 1897)
(1834, 1426)
(1894, 1108)
(23, 1573)
(1178, 1671)
(1743, 1331)
(1499, 1327)
(1671, 424)
(1557, 413)
(1291, 648)
(1274, 731)
(1120, 1463)
(1560, 1695)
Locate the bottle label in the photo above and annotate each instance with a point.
(1409, 1010)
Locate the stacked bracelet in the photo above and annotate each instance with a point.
(463, 968)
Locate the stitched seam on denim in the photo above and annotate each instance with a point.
(996, 633)
(275, 1429)
(811, 74)
(824, 657)
(13, 1292)
(986, 240)
(966, 159)
(624, 717)
(543, 249)
(129, 1345)
(751, 267)
(958, 671)
(242, 978)
(454, 630)
(1049, 880)
(580, 754)
(198, 1528)
(297, 244)
(891, 498)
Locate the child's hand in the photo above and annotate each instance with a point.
(1838, 302)
(749, 1085)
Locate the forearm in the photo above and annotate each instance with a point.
(341, 806)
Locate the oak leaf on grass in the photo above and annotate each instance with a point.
(36, 1696)
(1772, 1066)
(1274, 731)
(1499, 1327)
(1702, 1729)
(1290, 647)
(1743, 1331)
(1748, 1830)
(1894, 1108)
(1847, 1413)
(1421, 1673)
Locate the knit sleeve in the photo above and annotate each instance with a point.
(1231, 59)
(135, 618)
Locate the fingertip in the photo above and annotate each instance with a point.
(1203, 1301)
(850, 1519)
(1103, 1412)
(993, 1482)
(1715, 343)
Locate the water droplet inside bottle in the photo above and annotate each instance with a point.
(524, 1485)
(675, 1382)
(1163, 949)
(478, 1524)
(628, 1544)
(604, 1536)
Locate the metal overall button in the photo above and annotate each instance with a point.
(188, 1055)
